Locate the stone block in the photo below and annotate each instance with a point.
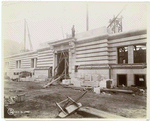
(102, 84)
(72, 80)
(42, 76)
(66, 81)
(97, 90)
(38, 79)
(27, 78)
(90, 83)
(32, 79)
(76, 82)
(22, 79)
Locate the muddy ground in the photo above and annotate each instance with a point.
(41, 102)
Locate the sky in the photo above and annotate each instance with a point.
(53, 20)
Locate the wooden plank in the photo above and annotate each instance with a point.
(53, 81)
(92, 112)
(118, 90)
(90, 83)
(61, 109)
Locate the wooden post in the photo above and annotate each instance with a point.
(24, 34)
(65, 67)
(60, 108)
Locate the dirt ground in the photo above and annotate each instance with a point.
(41, 102)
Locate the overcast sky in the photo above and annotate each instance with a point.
(52, 20)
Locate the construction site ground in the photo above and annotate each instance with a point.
(41, 102)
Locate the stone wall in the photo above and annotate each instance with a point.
(129, 72)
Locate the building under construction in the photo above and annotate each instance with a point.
(89, 56)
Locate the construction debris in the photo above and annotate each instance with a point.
(27, 112)
(97, 90)
(9, 100)
(13, 99)
(20, 98)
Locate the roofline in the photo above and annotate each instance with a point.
(59, 42)
(127, 33)
(23, 53)
(110, 37)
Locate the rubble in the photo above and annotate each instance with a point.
(13, 99)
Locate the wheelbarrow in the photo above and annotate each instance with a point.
(69, 106)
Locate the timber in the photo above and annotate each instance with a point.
(118, 90)
(92, 112)
(58, 78)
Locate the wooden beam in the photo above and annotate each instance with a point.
(92, 112)
(118, 90)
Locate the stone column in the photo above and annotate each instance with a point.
(130, 55)
(70, 62)
(71, 57)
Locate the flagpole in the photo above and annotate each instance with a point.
(87, 18)
(24, 34)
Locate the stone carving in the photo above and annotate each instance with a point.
(73, 31)
(72, 46)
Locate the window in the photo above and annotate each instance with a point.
(122, 79)
(140, 80)
(32, 63)
(18, 64)
(122, 55)
(35, 62)
(139, 53)
(76, 68)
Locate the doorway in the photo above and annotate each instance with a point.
(122, 79)
(140, 80)
(63, 63)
